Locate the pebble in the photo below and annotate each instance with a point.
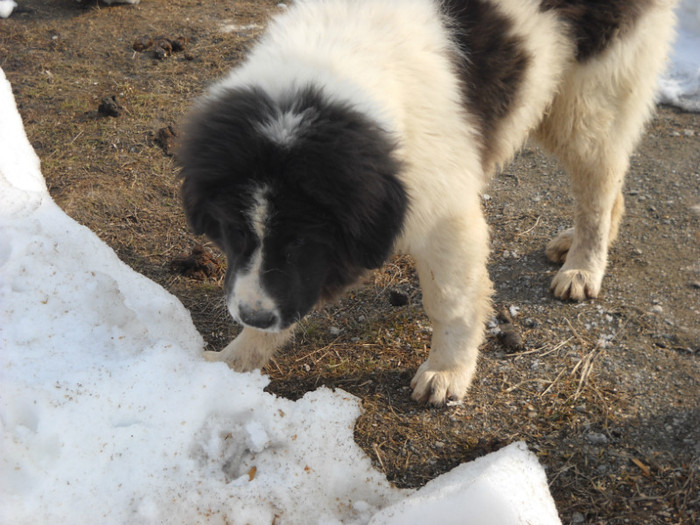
(657, 309)
(596, 438)
(335, 330)
(577, 517)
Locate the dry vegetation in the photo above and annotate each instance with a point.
(605, 392)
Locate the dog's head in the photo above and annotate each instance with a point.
(302, 194)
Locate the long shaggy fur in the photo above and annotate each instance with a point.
(358, 128)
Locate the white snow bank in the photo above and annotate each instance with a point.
(681, 84)
(108, 413)
(6, 8)
(507, 486)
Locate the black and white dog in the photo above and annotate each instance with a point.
(360, 128)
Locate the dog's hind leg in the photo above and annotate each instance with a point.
(593, 125)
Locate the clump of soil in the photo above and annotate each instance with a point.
(161, 46)
(110, 107)
(165, 138)
(200, 264)
(508, 333)
(605, 392)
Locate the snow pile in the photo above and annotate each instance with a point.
(6, 8)
(108, 413)
(681, 84)
(506, 487)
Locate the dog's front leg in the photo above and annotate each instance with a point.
(252, 349)
(456, 296)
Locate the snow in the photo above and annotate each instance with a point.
(6, 7)
(109, 414)
(680, 86)
(505, 487)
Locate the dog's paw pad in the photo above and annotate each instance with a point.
(439, 387)
(558, 248)
(576, 284)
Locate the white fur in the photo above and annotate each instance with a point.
(390, 60)
(283, 129)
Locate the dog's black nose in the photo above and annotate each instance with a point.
(257, 318)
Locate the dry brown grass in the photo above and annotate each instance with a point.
(604, 393)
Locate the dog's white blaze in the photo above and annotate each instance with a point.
(283, 128)
(247, 287)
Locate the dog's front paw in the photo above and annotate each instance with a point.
(558, 248)
(576, 284)
(213, 357)
(437, 387)
(239, 357)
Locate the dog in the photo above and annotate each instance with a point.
(356, 129)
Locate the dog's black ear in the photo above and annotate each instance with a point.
(371, 233)
(216, 152)
(197, 209)
(347, 164)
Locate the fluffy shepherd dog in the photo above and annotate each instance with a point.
(360, 128)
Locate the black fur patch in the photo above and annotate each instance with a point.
(335, 203)
(596, 23)
(494, 64)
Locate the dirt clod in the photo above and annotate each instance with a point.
(179, 44)
(606, 366)
(398, 298)
(109, 107)
(165, 138)
(197, 265)
(143, 43)
(161, 46)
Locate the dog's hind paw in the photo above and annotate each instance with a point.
(558, 248)
(439, 387)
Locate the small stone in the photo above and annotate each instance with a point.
(596, 438)
(577, 517)
(510, 338)
(335, 331)
(657, 309)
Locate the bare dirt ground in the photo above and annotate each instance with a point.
(604, 392)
